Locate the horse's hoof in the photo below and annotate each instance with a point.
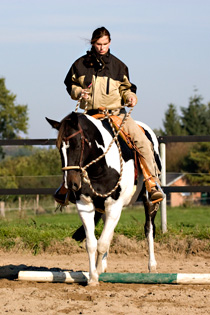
(153, 270)
(102, 270)
(93, 283)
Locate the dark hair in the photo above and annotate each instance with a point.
(98, 33)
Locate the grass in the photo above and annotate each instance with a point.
(193, 221)
(37, 232)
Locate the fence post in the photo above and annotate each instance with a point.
(19, 204)
(163, 209)
(2, 209)
(37, 202)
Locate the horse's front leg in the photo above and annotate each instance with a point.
(86, 212)
(113, 213)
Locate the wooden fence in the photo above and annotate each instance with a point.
(163, 140)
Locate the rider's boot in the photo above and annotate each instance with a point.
(156, 195)
(155, 192)
(61, 195)
(152, 183)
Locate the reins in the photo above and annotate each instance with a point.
(85, 176)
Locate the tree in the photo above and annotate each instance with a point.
(197, 164)
(196, 117)
(32, 170)
(172, 123)
(13, 118)
(194, 120)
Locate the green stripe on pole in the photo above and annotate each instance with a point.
(144, 278)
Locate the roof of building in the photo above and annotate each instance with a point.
(173, 177)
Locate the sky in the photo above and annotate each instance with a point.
(164, 43)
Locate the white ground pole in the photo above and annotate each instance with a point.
(54, 276)
(163, 210)
(143, 278)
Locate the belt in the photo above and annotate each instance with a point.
(92, 112)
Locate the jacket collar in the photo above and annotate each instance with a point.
(105, 57)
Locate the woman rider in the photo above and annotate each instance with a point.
(102, 80)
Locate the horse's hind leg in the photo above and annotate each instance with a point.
(149, 228)
(101, 262)
(102, 259)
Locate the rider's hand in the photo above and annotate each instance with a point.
(131, 101)
(84, 94)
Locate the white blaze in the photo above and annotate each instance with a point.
(65, 146)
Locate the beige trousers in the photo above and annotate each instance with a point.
(142, 142)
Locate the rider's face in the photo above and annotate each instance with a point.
(102, 45)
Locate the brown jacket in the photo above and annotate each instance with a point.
(109, 79)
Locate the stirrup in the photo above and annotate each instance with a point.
(159, 197)
(61, 198)
(157, 189)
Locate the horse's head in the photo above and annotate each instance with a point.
(70, 142)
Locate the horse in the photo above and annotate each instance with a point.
(99, 174)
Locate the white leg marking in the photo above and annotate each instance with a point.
(86, 212)
(152, 262)
(64, 152)
(113, 212)
(105, 256)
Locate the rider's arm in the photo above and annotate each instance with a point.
(128, 90)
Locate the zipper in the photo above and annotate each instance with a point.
(107, 86)
(93, 89)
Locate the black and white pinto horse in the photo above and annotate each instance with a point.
(81, 140)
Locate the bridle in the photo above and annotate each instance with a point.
(83, 140)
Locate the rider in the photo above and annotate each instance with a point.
(100, 79)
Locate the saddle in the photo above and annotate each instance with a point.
(139, 160)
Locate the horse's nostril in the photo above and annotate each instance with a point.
(75, 186)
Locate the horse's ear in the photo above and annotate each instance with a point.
(55, 124)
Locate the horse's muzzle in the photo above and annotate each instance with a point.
(74, 180)
(74, 186)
